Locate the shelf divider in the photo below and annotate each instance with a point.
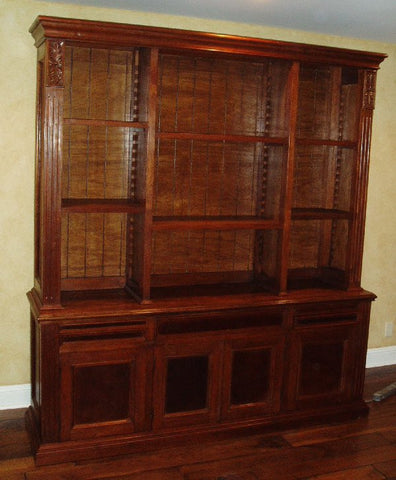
(210, 137)
(319, 214)
(326, 142)
(214, 223)
(101, 205)
(90, 122)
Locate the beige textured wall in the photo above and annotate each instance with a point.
(17, 87)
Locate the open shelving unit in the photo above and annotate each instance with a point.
(200, 206)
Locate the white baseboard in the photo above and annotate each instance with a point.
(18, 396)
(14, 396)
(380, 357)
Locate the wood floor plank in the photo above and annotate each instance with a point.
(301, 460)
(387, 468)
(226, 476)
(12, 476)
(167, 458)
(14, 442)
(15, 466)
(170, 474)
(390, 433)
(323, 464)
(381, 419)
(363, 473)
(16, 413)
(241, 475)
(378, 378)
(242, 464)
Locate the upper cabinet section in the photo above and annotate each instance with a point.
(171, 161)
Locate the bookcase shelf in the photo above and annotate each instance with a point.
(210, 137)
(105, 123)
(319, 213)
(101, 205)
(214, 223)
(199, 217)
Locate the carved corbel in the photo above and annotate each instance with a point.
(55, 63)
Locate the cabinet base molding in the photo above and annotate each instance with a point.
(54, 453)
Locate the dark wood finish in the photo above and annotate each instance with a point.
(186, 386)
(199, 212)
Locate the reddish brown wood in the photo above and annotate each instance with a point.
(49, 225)
(199, 219)
(213, 223)
(85, 205)
(177, 400)
(115, 34)
(284, 250)
(106, 387)
(361, 179)
(105, 123)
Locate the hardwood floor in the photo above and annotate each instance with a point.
(363, 449)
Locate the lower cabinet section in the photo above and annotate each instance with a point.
(222, 377)
(116, 385)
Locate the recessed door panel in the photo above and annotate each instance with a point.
(186, 382)
(105, 389)
(252, 376)
(102, 393)
(250, 380)
(324, 357)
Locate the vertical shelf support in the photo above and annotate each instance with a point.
(139, 284)
(289, 178)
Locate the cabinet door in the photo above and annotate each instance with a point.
(105, 388)
(187, 375)
(252, 376)
(324, 357)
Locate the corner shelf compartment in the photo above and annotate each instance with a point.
(104, 140)
(325, 176)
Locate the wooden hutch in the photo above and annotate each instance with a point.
(199, 211)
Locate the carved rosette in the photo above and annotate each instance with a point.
(369, 89)
(55, 63)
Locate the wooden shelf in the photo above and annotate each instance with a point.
(209, 137)
(326, 142)
(101, 205)
(319, 214)
(215, 223)
(90, 122)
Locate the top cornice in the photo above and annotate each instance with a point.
(105, 34)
